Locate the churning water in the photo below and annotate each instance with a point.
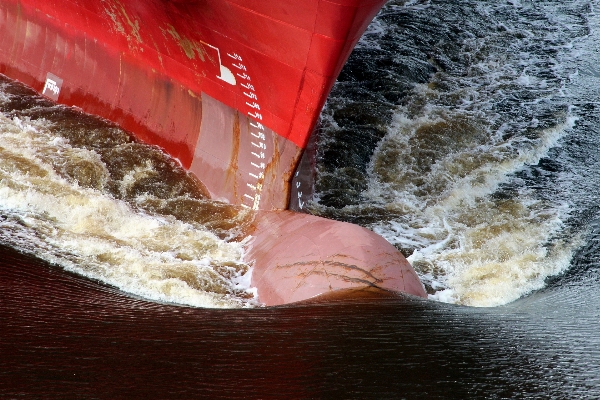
(79, 192)
(448, 133)
(464, 132)
(470, 108)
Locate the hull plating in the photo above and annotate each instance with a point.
(230, 88)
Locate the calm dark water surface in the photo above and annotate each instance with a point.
(66, 337)
(465, 133)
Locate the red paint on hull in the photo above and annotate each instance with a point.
(231, 88)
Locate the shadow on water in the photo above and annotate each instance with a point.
(67, 337)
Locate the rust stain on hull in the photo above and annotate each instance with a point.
(233, 167)
(299, 256)
(326, 265)
(123, 24)
(191, 48)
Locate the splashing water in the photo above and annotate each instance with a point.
(449, 162)
(80, 193)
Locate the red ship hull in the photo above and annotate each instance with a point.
(231, 88)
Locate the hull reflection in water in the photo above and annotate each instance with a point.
(67, 337)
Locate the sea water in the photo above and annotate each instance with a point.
(80, 193)
(465, 172)
(465, 133)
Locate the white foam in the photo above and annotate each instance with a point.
(93, 234)
(438, 186)
(473, 249)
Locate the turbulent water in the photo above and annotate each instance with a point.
(81, 193)
(464, 132)
(460, 118)
(453, 131)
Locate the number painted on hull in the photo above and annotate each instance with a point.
(259, 145)
(52, 86)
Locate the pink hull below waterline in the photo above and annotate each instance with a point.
(233, 90)
(300, 256)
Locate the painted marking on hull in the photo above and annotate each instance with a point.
(258, 132)
(258, 135)
(52, 86)
(298, 184)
